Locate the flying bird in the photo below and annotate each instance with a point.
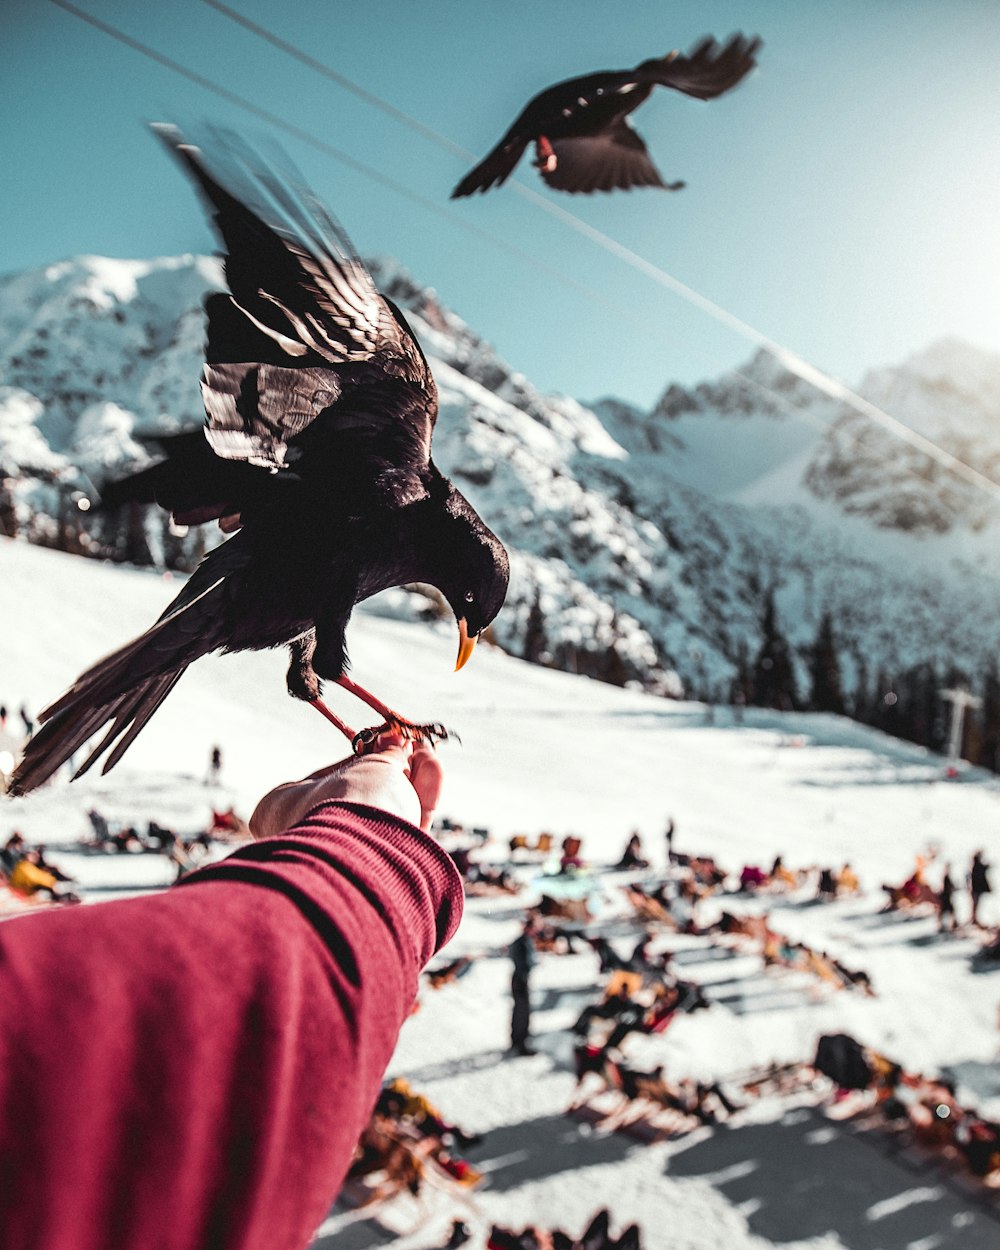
(580, 128)
(316, 455)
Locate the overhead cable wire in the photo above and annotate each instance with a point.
(789, 359)
(368, 171)
(456, 149)
(328, 149)
(399, 188)
(327, 71)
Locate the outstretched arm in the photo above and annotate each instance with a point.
(194, 1068)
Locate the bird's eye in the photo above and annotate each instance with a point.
(469, 597)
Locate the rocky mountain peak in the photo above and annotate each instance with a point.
(643, 543)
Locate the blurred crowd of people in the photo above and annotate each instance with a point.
(925, 1108)
(405, 1138)
(27, 873)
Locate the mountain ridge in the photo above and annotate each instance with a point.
(645, 545)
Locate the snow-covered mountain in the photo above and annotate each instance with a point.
(950, 394)
(644, 544)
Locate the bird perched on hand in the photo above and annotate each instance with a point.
(317, 452)
(583, 138)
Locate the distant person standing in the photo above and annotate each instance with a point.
(215, 766)
(28, 722)
(524, 957)
(979, 883)
(632, 856)
(669, 835)
(946, 902)
(3, 716)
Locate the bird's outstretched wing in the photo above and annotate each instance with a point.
(301, 325)
(493, 170)
(614, 159)
(588, 113)
(192, 483)
(708, 70)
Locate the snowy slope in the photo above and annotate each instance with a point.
(543, 749)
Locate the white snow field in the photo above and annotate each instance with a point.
(545, 750)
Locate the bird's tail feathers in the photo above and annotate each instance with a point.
(136, 660)
(125, 689)
(62, 736)
(130, 719)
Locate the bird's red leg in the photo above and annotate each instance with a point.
(333, 718)
(366, 696)
(545, 157)
(393, 721)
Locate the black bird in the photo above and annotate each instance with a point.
(583, 138)
(320, 407)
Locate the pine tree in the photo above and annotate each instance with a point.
(862, 701)
(136, 547)
(534, 631)
(742, 682)
(824, 670)
(920, 715)
(614, 670)
(988, 754)
(773, 673)
(8, 510)
(886, 712)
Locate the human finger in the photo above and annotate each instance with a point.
(427, 779)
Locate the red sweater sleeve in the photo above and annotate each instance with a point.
(191, 1070)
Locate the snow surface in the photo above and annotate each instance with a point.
(546, 750)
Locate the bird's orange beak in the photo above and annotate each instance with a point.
(466, 643)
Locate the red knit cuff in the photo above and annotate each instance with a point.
(399, 869)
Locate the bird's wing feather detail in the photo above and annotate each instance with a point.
(300, 300)
(708, 70)
(290, 346)
(614, 159)
(253, 410)
(283, 250)
(494, 169)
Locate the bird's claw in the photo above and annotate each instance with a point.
(366, 740)
(545, 157)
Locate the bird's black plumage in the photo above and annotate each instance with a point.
(320, 409)
(581, 128)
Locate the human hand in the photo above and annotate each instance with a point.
(396, 776)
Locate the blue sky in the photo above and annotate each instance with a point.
(845, 200)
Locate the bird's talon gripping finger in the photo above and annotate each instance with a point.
(365, 739)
